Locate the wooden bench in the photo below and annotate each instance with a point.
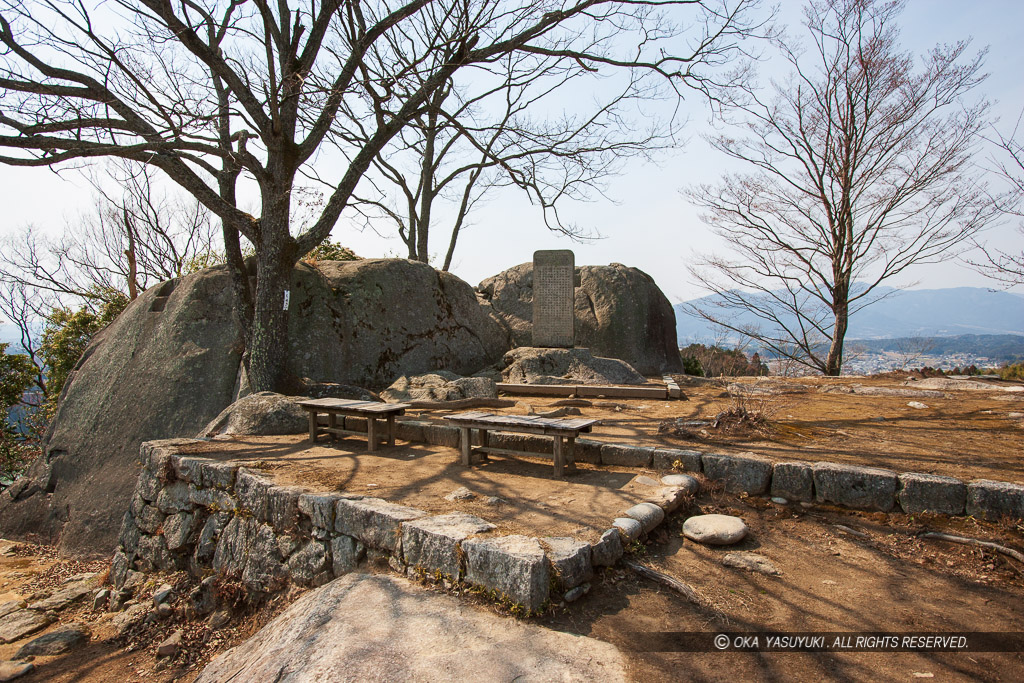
(371, 410)
(563, 432)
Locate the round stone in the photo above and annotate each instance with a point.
(682, 481)
(779, 500)
(715, 529)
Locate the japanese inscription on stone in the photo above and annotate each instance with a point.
(553, 298)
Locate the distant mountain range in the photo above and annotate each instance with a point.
(908, 313)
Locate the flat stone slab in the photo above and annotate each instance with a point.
(752, 562)
(931, 493)
(12, 606)
(11, 670)
(513, 565)
(626, 456)
(55, 642)
(21, 623)
(861, 488)
(739, 473)
(570, 561)
(715, 529)
(374, 627)
(432, 543)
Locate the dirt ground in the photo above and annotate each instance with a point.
(878, 577)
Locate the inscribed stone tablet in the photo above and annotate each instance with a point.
(553, 298)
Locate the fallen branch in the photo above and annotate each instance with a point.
(852, 532)
(1010, 552)
(462, 403)
(666, 580)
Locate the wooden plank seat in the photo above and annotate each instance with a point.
(563, 432)
(371, 410)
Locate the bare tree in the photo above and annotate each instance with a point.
(204, 90)
(133, 239)
(464, 145)
(862, 169)
(1007, 267)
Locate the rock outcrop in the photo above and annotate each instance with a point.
(170, 364)
(263, 413)
(529, 365)
(620, 313)
(439, 386)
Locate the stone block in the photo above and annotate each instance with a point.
(689, 485)
(206, 543)
(154, 554)
(356, 424)
(441, 435)
(156, 458)
(149, 519)
(375, 522)
(119, 567)
(793, 481)
(218, 475)
(608, 550)
(588, 450)
(130, 534)
(666, 459)
(319, 508)
(217, 500)
(739, 473)
(511, 565)
(648, 514)
(432, 543)
(188, 469)
(669, 498)
(283, 507)
(178, 530)
(346, 552)
(410, 430)
(630, 529)
(251, 491)
(310, 565)
(627, 456)
(174, 498)
(264, 570)
(529, 443)
(233, 546)
(148, 486)
(570, 561)
(995, 499)
(861, 488)
(931, 493)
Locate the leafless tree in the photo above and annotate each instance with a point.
(862, 169)
(465, 145)
(134, 237)
(1007, 267)
(26, 308)
(210, 91)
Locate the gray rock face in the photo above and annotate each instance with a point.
(931, 493)
(55, 642)
(438, 386)
(995, 499)
(387, 628)
(863, 488)
(530, 365)
(262, 413)
(619, 311)
(310, 565)
(12, 670)
(512, 565)
(346, 552)
(739, 473)
(432, 543)
(170, 363)
(627, 456)
(715, 529)
(793, 481)
(570, 561)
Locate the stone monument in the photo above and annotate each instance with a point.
(554, 279)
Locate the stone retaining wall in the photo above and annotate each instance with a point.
(223, 520)
(862, 488)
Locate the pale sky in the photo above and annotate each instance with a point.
(650, 225)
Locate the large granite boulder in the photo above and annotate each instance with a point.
(530, 365)
(170, 364)
(620, 313)
(439, 386)
(260, 414)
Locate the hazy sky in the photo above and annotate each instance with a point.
(650, 225)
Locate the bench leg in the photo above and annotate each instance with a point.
(559, 457)
(391, 430)
(312, 426)
(332, 423)
(570, 454)
(371, 432)
(465, 443)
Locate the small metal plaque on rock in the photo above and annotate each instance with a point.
(554, 282)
